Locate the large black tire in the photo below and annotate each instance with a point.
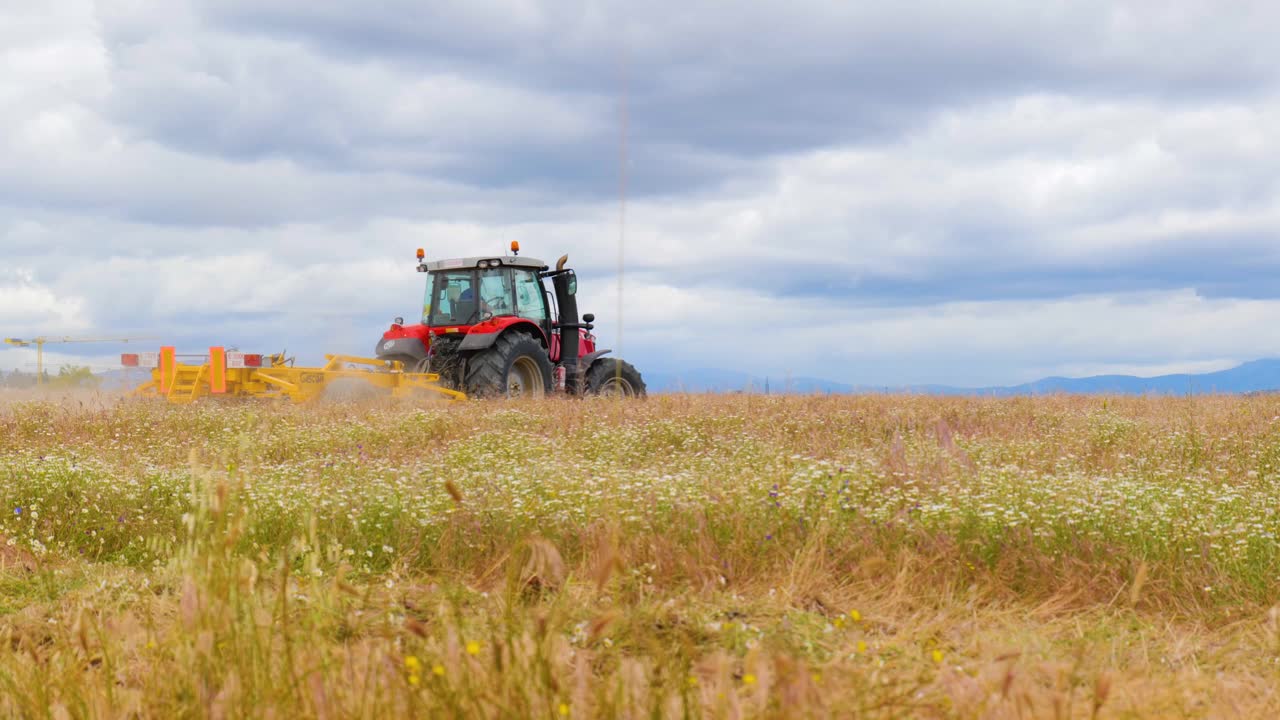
(515, 365)
(611, 376)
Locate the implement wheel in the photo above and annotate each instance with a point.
(515, 365)
(614, 377)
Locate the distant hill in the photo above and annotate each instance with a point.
(1254, 376)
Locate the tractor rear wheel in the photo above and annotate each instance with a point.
(515, 365)
(614, 377)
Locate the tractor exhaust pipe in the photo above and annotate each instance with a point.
(565, 284)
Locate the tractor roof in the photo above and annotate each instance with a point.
(470, 262)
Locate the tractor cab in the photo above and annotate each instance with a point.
(468, 291)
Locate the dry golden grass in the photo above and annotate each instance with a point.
(745, 556)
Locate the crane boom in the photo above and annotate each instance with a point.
(40, 342)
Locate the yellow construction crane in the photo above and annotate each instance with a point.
(40, 342)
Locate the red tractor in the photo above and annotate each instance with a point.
(491, 329)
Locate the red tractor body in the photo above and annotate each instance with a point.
(490, 327)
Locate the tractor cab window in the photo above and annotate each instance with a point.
(495, 291)
(451, 299)
(530, 300)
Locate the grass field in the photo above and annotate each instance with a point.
(744, 556)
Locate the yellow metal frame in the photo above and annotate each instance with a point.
(282, 381)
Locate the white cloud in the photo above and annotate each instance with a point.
(27, 308)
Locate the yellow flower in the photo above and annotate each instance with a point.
(693, 681)
(862, 647)
(816, 678)
(857, 616)
(438, 670)
(473, 648)
(564, 709)
(412, 664)
(937, 656)
(839, 622)
(749, 679)
(415, 679)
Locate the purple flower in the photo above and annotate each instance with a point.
(17, 511)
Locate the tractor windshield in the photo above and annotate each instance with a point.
(464, 297)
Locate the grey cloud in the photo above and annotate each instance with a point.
(812, 65)
(713, 91)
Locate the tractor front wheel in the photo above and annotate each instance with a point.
(515, 365)
(611, 376)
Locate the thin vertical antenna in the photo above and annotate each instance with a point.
(623, 132)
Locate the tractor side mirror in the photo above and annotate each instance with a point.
(573, 283)
(589, 318)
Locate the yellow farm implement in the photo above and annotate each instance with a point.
(235, 374)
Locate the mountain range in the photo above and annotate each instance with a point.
(1254, 376)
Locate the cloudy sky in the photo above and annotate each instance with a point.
(968, 193)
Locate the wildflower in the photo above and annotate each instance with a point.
(564, 709)
(437, 670)
(855, 615)
(937, 656)
(17, 511)
(473, 648)
(749, 679)
(412, 664)
(862, 647)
